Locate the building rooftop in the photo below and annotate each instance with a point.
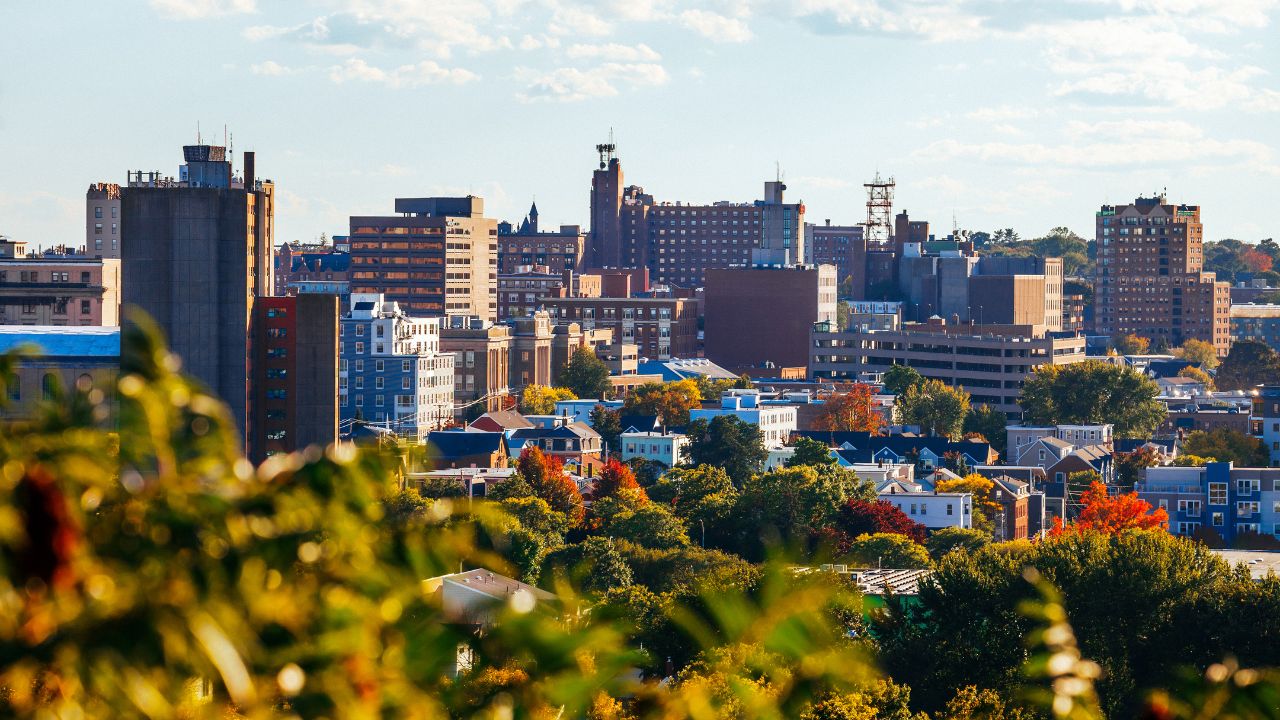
(63, 341)
(1260, 562)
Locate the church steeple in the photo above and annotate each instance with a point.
(533, 217)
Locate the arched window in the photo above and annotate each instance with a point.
(50, 385)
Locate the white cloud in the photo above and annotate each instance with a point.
(271, 68)
(614, 52)
(1003, 113)
(201, 9)
(572, 20)
(427, 72)
(569, 84)
(715, 26)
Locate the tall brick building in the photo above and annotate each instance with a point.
(677, 241)
(763, 315)
(1150, 280)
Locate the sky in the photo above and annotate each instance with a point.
(988, 113)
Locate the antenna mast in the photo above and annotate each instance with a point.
(879, 211)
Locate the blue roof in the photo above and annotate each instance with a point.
(679, 369)
(63, 341)
(461, 443)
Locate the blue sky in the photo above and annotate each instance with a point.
(999, 113)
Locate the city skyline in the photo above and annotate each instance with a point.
(996, 115)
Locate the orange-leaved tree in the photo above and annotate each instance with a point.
(616, 476)
(546, 477)
(1104, 513)
(849, 411)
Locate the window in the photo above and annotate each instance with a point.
(85, 308)
(950, 509)
(359, 331)
(379, 365)
(277, 332)
(1190, 508)
(379, 400)
(97, 212)
(276, 373)
(1188, 528)
(359, 382)
(359, 348)
(1217, 493)
(277, 312)
(1218, 519)
(1248, 508)
(49, 385)
(913, 508)
(84, 277)
(277, 394)
(359, 366)
(377, 383)
(406, 365)
(1248, 486)
(406, 383)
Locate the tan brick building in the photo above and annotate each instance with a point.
(1150, 280)
(59, 287)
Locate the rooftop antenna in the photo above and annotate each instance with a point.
(606, 151)
(199, 141)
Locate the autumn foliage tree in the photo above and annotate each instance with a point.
(851, 410)
(614, 477)
(545, 475)
(860, 517)
(1101, 512)
(670, 401)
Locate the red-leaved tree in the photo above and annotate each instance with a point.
(615, 476)
(1104, 513)
(545, 475)
(860, 517)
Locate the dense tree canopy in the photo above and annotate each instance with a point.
(989, 423)
(1225, 444)
(730, 443)
(670, 401)
(586, 375)
(1093, 392)
(900, 377)
(1248, 364)
(937, 408)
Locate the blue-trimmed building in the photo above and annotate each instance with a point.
(391, 372)
(1226, 499)
(63, 357)
(1265, 420)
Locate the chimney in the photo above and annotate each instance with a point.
(249, 183)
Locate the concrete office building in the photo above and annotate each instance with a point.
(438, 257)
(295, 385)
(761, 315)
(481, 356)
(197, 257)
(1256, 322)
(840, 245)
(102, 220)
(57, 287)
(1150, 280)
(660, 328)
(989, 361)
(391, 370)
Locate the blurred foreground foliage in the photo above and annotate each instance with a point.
(148, 570)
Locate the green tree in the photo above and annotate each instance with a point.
(546, 477)
(1199, 352)
(810, 452)
(1131, 467)
(730, 443)
(628, 515)
(1250, 363)
(1200, 376)
(788, 506)
(541, 400)
(888, 550)
(1227, 445)
(1093, 392)
(898, 378)
(988, 422)
(705, 498)
(951, 539)
(586, 375)
(609, 424)
(937, 408)
(593, 564)
(1130, 344)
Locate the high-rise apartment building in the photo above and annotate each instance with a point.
(198, 255)
(678, 241)
(843, 246)
(438, 257)
(391, 369)
(1150, 281)
(295, 383)
(102, 220)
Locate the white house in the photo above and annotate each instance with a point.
(474, 599)
(776, 422)
(667, 448)
(933, 510)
